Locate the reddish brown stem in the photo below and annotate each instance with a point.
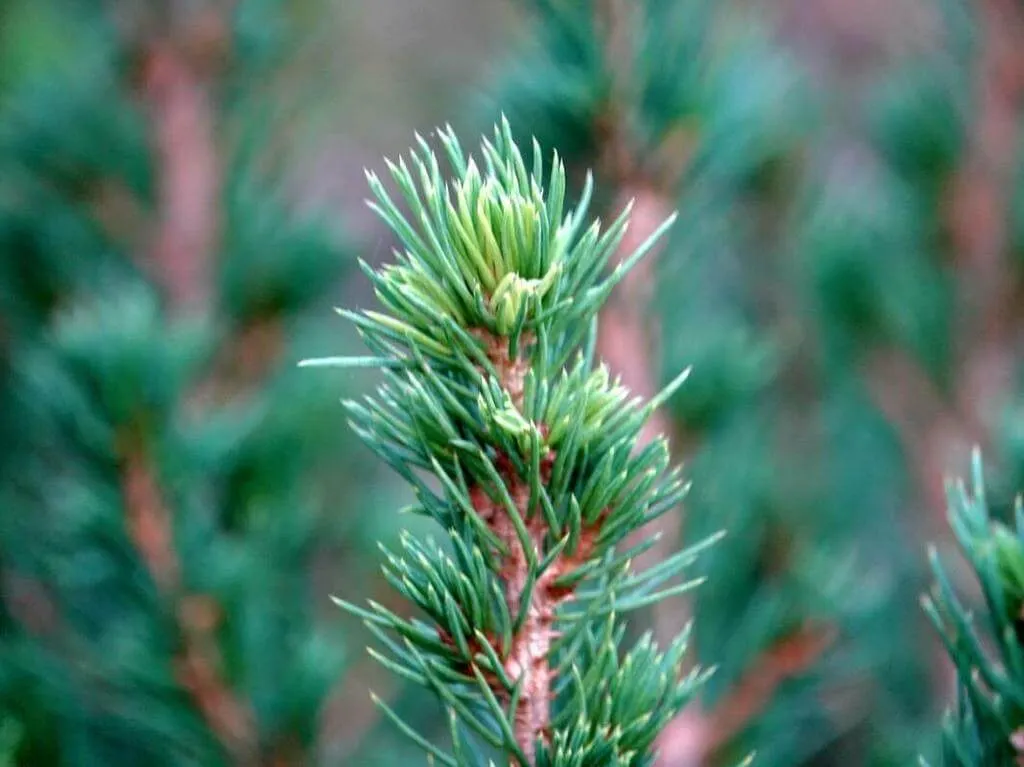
(198, 662)
(188, 176)
(527, 660)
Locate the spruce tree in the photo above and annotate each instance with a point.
(524, 450)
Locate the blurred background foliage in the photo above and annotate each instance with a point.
(181, 204)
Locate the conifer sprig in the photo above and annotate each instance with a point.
(987, 725)
(490, 388)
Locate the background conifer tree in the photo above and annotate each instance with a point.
(163, 471)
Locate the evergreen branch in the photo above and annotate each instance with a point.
(986, 726)
(628, 340)
(977, 220)
(188, 171)
(539, 467)
(125, 705)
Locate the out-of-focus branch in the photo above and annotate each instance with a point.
(787, 658)
(937, 431)
(198, 663)
(628, 339)
(691, 739)
(174, 89)
(935, 434)
(177, 75)
(188, 174)
(628, 343)
(350, 716)
(627, 334)
(979, 211)
(29, 603)
(248, 355)
(627, 331)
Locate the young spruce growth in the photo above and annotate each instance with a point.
(986, 729)
(486, 345)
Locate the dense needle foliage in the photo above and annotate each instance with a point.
(486, 346)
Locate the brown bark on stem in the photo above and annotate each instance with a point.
(528, 656)
(527, 660)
